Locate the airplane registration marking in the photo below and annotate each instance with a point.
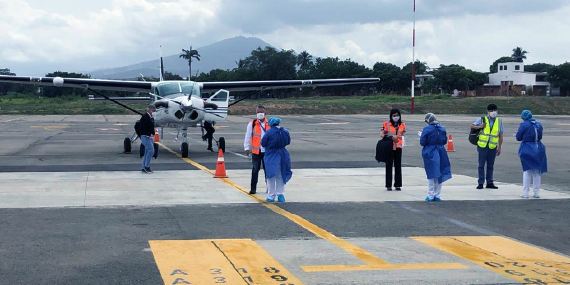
(371, 261)
(518, 261)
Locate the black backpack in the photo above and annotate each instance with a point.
(138, 128)
(384, 149)
(474, 134)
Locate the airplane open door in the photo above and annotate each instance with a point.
(217, 106)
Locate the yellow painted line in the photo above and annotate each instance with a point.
(367, 267)
(370, 260)
(518, 261)
(49, 128)
(193, 262)
(7, 121)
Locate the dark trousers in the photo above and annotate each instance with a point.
(257, 161)
(209, 133)
(395, 159)
(488, 156)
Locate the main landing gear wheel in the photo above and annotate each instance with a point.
(127, 145)
(222, 144)
(184, 150)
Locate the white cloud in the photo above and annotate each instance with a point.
(77, 36)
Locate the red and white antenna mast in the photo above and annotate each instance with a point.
(413, 58)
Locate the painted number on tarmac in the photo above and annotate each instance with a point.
(240, 261)
(518, 261)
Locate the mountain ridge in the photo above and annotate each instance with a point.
(219, 55)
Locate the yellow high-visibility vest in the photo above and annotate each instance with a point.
(490, 136)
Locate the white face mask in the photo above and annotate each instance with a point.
(396, 119)
(260, 116)
(493, 114)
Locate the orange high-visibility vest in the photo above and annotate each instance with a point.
(256, 136)
(391, 131)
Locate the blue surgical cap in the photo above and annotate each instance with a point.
(526, 115)
(274, 121)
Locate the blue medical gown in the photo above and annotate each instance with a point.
(436, 161)
(276, 156)
(531, 151)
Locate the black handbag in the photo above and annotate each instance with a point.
(384, 149)
(474, 134)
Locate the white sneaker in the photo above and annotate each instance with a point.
(535, 196)
(524, 196)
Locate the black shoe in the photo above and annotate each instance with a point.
(210, 149)
(147, 170)
(480, 186)
(252, 192)
(388, 188)
(398, 188)
(492, 186)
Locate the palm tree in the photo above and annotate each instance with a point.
(188, 54)
(519, 54)
(304, 59)
(240, 64)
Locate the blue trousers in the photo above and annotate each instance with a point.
(487, 156)
(148, 150)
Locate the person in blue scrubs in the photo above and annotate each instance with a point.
(277, 160)
(531, 152)
(434, 154)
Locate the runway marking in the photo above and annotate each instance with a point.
(50, 128)
(371, 261)
(234, 261)
(518, 261)
(7, 121)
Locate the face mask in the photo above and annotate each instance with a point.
(493, 114)
(260, 116)
(396, 119)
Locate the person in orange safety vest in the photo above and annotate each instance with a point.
(395, 129)
(252, 144)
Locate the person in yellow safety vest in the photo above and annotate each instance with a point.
(395, 129)
(489, 144)
(252, 144)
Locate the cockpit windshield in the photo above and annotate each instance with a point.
(168, 88)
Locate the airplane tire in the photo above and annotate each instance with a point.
(222, 144)
(184, 150)
(142, 150)
(155, 151)
(127, 145)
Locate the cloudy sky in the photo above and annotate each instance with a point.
(40, 36)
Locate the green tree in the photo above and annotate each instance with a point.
(538, 67)
(450, 77)
(269, 64)
(304, 59)
(50, 92)
(494, 68)
(559, 76)
(391, 77)
(189, 54)
(171, 76)
(518, 54)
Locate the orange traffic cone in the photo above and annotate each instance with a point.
(450, 144)
(221, 166)
(156, 137)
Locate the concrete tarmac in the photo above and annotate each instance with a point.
(75, 209)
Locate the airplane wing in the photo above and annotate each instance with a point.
(281, 84)
(97, 84)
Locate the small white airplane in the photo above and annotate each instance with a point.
(179, 104)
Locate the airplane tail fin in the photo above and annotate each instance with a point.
(161, 65)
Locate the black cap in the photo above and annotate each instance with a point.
(492, 107)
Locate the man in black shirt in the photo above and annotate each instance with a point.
(209, 127)
(147, 137)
